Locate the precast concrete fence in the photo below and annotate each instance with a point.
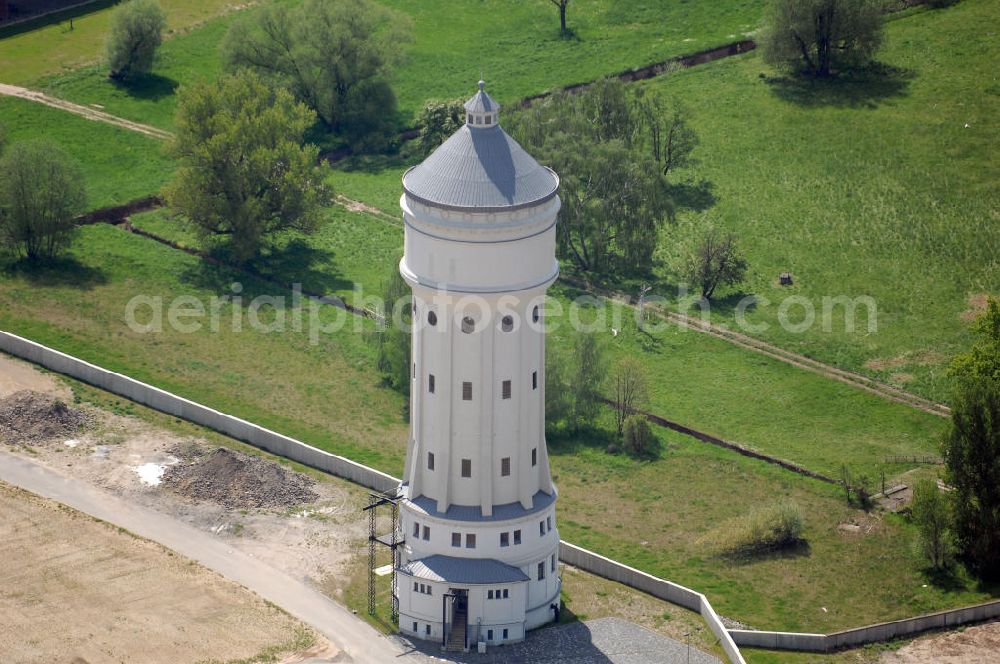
(293, 449)
(655, 586)
(172, 404)
(858, 636)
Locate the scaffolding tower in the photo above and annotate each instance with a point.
(392, 541)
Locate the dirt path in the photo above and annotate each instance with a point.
(82, 111)
(979, 644)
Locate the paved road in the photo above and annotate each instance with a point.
(347, 632)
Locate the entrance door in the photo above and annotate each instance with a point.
(458, 634)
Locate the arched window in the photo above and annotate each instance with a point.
(468, 325)
(535, 315)
(507, 323)
(432, 318)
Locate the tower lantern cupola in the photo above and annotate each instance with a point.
(481, 111)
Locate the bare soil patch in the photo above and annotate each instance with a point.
(977, 304)
(31, 417)
(239, 481)
(16, 376)
(74, 589)
(979, 644)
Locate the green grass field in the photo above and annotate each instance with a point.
(858, 188)
(521, 55)
(117, 165)
(54, 48)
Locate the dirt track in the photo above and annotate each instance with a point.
(82, 111)
(979, 644)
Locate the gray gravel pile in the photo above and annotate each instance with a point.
(31, 417)
(239, 481)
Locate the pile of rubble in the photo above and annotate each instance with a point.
(32, 417)
(238, 481)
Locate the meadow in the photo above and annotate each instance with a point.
(453, 44)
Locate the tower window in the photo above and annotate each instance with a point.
(548, 523)
(427, 533)
(466, 467)
(470, 541)
(414, 624)
(427, 629)
(534, 380)
(553, 564)
(505, 596)
(535, 315)
(505, 629)
(430, 461)
(489, 594)
(534, 456)
(505, 467)
(504, 539)
(489, 119)
(507, 323)
(489, 635)
(414, 369)
(506, 389)
(541, 570)
(432, 318)
(430, 383)
(468, 325)
(541, 528)
(456, 539)
(416, 529)
(466, 391)
(517, 537)
(479, 119)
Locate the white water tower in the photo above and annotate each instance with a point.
(479, 561)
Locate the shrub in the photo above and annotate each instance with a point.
(933, 518)
(438, 120)
(40, 192)
(136, 33)
(769, 528)
(639, 439)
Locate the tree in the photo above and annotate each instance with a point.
(972, 461)
(631, 390)
(670, 138)
(614, 196)
(932, 516)
(136, 33)
(561, 4)
(439, 120)
(983, 359)
(334, 55)
(588, 378)
(392, 341)
(716, 261)
(822, 36)
(639, 439)
(41, 191)
(245, 173)
(558, 395)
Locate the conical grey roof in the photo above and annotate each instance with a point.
(480, 169)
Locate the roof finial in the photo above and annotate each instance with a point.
(482, 83)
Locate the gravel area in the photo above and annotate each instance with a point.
(603, 641)
(32, 417)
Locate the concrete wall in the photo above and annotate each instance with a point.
(657, 587)
(886, 631)
(179, 407)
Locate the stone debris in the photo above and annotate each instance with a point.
(32, 417)
(237, 480)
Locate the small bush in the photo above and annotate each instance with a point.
(769, 528)
(932, 515)
(638, 439)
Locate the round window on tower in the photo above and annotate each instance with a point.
(535, 315)
(432, 318)
(507, 323)
(468, 325)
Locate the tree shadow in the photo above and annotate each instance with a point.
(799, 549)
(948, 579)
(860, 88)
(694, 196)
(566, 440)
(728, 303)
(62, 271)
(375, 164)
(149, 87)
(299, 262)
